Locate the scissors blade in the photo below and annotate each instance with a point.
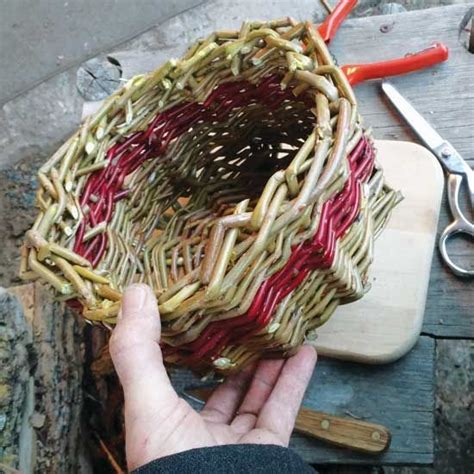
(426, 133)
(449, 158)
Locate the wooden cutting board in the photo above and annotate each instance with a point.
(386, 323)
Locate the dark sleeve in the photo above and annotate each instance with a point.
(234, 458)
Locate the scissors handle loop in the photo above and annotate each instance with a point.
(460, 225)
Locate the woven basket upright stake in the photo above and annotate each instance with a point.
(238, 182)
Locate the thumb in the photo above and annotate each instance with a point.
(136, 354)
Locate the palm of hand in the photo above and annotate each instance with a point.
(257, 406)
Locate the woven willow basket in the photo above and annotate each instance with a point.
(237, 182)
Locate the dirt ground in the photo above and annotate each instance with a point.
(454, 358)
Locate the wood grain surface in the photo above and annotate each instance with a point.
(50, 437)
(398, 396)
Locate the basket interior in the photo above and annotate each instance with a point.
(194, 163)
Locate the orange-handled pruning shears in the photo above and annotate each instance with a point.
(412, 62)
(357, 73)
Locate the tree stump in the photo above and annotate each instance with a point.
(41, 353)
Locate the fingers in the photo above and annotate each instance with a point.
(223, 403)
(136, 354)
(260, 389)
(279, 412)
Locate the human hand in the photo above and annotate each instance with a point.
(257, 406)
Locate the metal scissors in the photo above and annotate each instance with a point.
(459, 173)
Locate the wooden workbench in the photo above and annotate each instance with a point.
(400, 395)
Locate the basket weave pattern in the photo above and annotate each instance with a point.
(238, 182)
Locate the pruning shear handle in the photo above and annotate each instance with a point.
(328, 28)
(357, 73)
